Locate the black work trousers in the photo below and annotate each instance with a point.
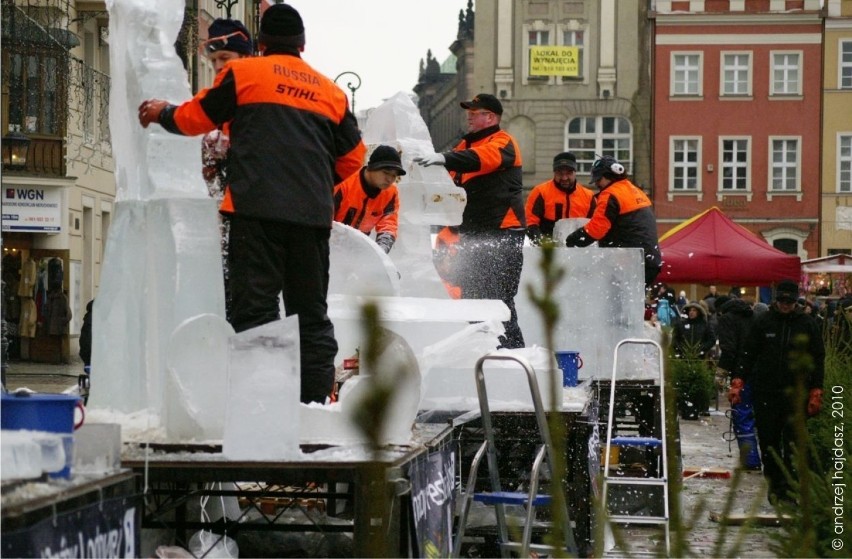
(268, 258)
(490, 266)
(773, 416)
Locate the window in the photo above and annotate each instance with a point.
(685, 164)
(845, 79)
(735, 164)
(786, 74)
(536, 39)
(588, 137)
(784, 164)
(736, 73)
(844, 163)
(686, 74)
(575, 39)
(35, 102)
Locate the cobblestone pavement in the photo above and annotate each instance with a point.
(43, 377)
(701, 446)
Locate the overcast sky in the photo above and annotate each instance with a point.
(381, 40)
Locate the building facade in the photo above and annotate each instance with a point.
(57, 205)
(737, 115)
(572, 75)
(836, 218)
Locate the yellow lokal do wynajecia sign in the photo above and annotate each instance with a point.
(554, 61)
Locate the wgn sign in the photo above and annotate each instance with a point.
(32, 208)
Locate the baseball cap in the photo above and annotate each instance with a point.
(787, 291)
(484, 101)
(385, 157)
(565, 159)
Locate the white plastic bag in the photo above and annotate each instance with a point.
(205, 543)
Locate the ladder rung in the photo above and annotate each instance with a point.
(509, 498)
(638, 519)
(635, 481)
(649, 442)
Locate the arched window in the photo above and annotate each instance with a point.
(588, 137)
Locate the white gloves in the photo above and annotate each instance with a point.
(431, 159)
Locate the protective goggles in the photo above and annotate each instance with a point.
(219, 43)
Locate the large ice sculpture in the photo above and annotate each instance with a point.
(162, 262)
(601, 302)
(427, 195)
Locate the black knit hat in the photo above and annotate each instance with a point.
(281, 25)
(787, 290)
(484, 101)
(565, 159)
(385, 157)
(235, 42)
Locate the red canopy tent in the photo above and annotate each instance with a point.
(710, 248)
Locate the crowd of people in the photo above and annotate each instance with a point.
(769, 359)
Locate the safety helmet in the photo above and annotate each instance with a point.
(607, 166)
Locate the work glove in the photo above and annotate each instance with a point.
(579, 238)
(149, 111)
(431, 159)
(534, 233)
(385, 241)
(734, 392)
(721, 378)
(814, 401)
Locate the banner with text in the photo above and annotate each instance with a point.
(433, 495)
(32, 208)
(108, 528)
(554, 61)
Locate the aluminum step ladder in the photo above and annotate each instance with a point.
(632, 482)
(499, 498)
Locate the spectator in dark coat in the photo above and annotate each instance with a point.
(86, 336)
(693, 336)
(735, 320)
(771, 347)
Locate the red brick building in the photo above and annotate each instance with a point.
(736, 112)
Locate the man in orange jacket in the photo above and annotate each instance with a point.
(487, 164)
(623, 217)
(292, 138)
(369, 199)
(557, 199)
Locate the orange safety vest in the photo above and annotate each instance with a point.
(487, 164)
(356, 208)
(547, 204)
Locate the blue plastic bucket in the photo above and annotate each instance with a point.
(53, 413)
(570, 362)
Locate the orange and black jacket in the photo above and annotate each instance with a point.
(487, 164)
(549, 202)
(292, 137)
(623, 217)
(366, 207)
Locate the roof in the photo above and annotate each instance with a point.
(835, 264)
(711, 248)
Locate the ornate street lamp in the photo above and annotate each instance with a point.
(352, 88)
(16, 147)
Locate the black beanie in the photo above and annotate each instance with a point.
(282, 25)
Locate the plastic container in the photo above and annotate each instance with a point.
(570, 362)
(53, 413)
